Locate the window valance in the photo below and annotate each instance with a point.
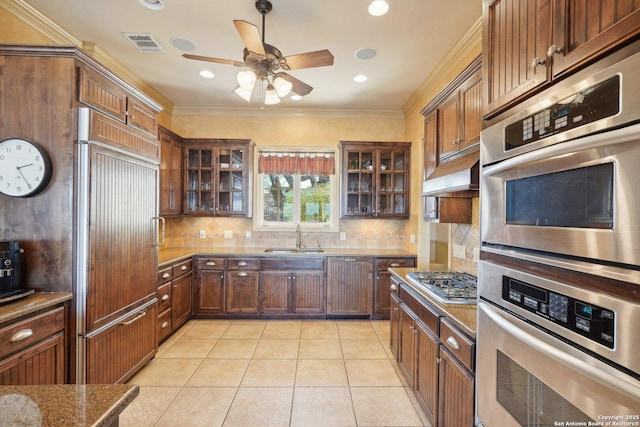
(292, 162)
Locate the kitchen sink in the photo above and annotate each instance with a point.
(292, 251)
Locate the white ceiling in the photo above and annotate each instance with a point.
(411, 39)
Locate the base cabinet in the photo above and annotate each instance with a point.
(175, 297)
(382, 283)
(456, 392)
(349, 286)
(209, 293)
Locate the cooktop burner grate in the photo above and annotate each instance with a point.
(449, 286)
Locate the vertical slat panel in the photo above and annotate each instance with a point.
(623, 8)
(349, 284)
(40, 364)
(309, 292)
(607, 11)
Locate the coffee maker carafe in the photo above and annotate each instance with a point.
(12, 271)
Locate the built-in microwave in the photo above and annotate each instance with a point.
(563, 176)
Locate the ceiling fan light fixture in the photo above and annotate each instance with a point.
(247, 79)
(271, 96)
(378, 7)
(282, 86)
(243, 93)
(152, 4)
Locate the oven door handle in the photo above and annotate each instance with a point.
(614, 382)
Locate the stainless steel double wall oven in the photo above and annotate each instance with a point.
(558, 339)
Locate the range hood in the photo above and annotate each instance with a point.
(457, 177)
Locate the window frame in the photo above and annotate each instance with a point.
(259, 224)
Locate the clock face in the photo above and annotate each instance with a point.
(25, 168)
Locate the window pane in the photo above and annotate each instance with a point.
(278, 198)
(315, 201)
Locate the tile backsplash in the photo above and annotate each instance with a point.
(468, 236)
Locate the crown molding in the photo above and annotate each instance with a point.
(195, 110)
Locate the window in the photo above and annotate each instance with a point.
(296, 188)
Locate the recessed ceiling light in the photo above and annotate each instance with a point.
(206, 74)
(295, 97)
(152, 4)
(366, 53)
(360, 78)
(378, 7)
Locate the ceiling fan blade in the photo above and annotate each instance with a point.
(217, 60)
(299, 87)
(250, 36)
(319, 58)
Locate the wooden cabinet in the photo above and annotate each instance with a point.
(382, 283)
(292, 286)
(529, 44)
(170, 172)
(375, 179)
(164, 303)
(241, 286)
(349, 286)
(452, 125)
(101, 93)
(181, 294)
(32, 349)
(217, 177)
(209, 294)
(456, 392)
(394, 332)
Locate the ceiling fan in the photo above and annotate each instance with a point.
(265, 62)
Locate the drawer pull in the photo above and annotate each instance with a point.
(395, 264)
(138, 317)
(21, 335)
(350, 260)
(242, 263)
(211, 263)
(165, 297)
(393, 287)
(453, 343)
(166, 275)
(165, 325)
(183, 268)
(242, 274)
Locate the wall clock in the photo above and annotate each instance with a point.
(25, 168)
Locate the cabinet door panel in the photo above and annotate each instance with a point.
(40, 364)
(309, 292)
(515, 32)
(210, 292)
(349, 284)
(241, 292)
(181, 301)
(427, 372)
(448, 126)
(407, 349)
(456, 406)
(275, 292)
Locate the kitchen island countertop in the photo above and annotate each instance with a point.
(462, 315)
(66, 405)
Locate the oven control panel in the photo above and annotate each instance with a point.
(589, 320)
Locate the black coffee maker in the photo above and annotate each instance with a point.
(12, 271)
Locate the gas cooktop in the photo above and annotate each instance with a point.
(449, 287)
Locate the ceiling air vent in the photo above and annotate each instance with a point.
(145, 43)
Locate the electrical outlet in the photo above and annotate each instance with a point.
(476, 254)
(412, 238)
(247, 235)
(202, 234)
(228, 234)
(459, 251)
(343, 235)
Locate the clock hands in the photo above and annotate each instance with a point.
(19, 168)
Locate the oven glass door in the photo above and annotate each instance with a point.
(527, 377)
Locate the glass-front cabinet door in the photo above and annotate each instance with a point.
(375, 179)
(218, 177)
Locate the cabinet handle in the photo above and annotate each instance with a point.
(393, 287)
(395, 309)
(138, 317)
(184, 267)
(211, 263)
(553, 49)
(242, 263)
(21, 335)
(350, 260)
(165, 325)
(242, 274)
(395, 264)
(163, 222)
(166, 275)
(537, 61)
(294, 277)
(453, 343)
(165, 297)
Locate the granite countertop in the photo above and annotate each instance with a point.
(64, 405)
(169, 256)
(462, 315)
(32, 303)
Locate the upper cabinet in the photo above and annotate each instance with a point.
(375, 179)
(170, 172)
(217, 177)
(529, 44)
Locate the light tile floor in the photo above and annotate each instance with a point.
(274, 373)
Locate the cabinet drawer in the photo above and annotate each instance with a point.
(182, 268)
(101, 93)
(26, 332)
(210, 264)
(164, 296)
(242, 264)
(292, 264)
(164, 325)
(457, 343)
(165, 275)
(383, 264)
